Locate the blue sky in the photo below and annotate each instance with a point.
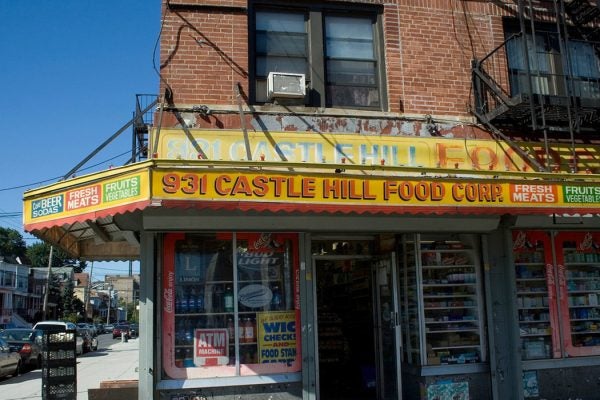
(69, 73)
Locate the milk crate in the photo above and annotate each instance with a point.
(59, 366)
(59, 391)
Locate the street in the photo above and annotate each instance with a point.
(114, 360)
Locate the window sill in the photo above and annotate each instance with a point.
(446, 369)
(272, 109)
(561, 363)
(229, 381)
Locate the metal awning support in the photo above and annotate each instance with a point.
(243, 121)
(107, 142)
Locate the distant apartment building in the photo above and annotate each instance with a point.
(126, 287)
(17, 304)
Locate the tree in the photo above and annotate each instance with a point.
(12, 243)
(67, 298)
(72, 307)
(38, 254)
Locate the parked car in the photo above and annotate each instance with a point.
(26, 342)
(60, 326)
(78, 345)
(90, 327)
(116, 333)
(10, 361)
(99, 329)
(134, 330)
(108, 328)
(55, 326)
(86, 338)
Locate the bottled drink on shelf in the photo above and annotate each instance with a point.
(249, 330)
(217, 299)
(189, 333)
(189, 358)
(199, 302)
(242, 330)
(192, 301)
(180, 332)
(228, 299)
(179, 298)
(179, 354)
(276, 299)
(185, 302)
(230, 329)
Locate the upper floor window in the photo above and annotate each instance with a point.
(339, 54)
(551, 72)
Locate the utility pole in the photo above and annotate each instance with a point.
(48, 276)
(109, 301)
(89, 293)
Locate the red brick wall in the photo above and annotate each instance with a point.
(429, 45)
(204, 53)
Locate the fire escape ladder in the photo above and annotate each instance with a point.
(492, 100)
(542, 83)
(142, 121)
(582, 12)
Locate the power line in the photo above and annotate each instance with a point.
(60, 177)
(11, 215)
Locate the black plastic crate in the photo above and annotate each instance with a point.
(60, 372)
(57, 391)
(59, 354)
(59, 366)
(50, 338)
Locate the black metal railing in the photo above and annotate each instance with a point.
(143, 121)
(516, 87)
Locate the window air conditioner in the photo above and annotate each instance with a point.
(283, 84)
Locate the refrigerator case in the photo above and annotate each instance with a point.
(578, 266)
(536, 295)
(559, 312)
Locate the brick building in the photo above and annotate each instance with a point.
(126, 286)
(360, 200)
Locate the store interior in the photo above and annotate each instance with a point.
(346, 340)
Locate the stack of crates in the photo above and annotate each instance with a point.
(59, 365)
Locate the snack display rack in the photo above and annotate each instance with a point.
(441, 301)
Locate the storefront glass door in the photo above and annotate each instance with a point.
(357, 328)
(387, 328)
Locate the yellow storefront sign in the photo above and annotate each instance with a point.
(368, 191)
(332, 148)
(87, 195)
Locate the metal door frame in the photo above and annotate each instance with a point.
(310, 326)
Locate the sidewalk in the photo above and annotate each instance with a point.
(119, 361)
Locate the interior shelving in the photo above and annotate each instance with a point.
(583, 289)
(441, 301)
(532, 303)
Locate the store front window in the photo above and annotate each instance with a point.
(558, 287)
(442, 300)
(230, 305)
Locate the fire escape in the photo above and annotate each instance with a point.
(142, 122)
(542, 83)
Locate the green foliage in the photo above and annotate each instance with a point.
(12, 243)
(38, 254)
(72, 317)
(72, 307)
(133, 314)
(67, 298)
